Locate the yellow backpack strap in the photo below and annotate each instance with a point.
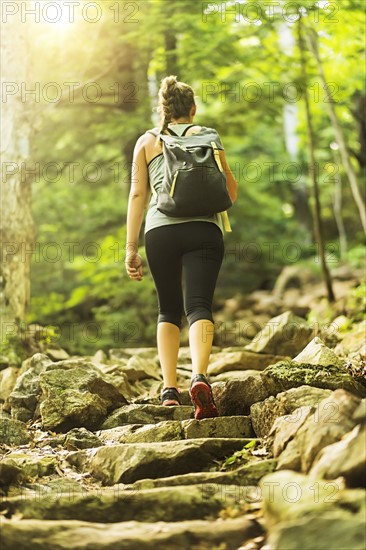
(225, 221)
(217, 156)
(224, 215)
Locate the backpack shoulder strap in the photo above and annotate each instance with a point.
(188, 127)
(183, 133)
(172, 133)
(153, 131)
(156, 132)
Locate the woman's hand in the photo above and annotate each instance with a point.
(133, 263)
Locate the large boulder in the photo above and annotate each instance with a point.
(117, 376)
(282, 436)
(76, 396)
(303, 515)
(10, 473)
(13, 432)
(235, 396)
(31, 465)
(354, 341)
(317, 353)
(331, 531)
(312, 429)
(285, 334)
(8, 378)
(264, 413)
(289, 374)
(23, 400)
(346, 458)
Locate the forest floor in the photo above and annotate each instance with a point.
(91, 460)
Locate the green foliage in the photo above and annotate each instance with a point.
(24, 341)
(356, 256)
(231, 64)
(240, 457)
(12, 348)
(104, 309)
(356, 303)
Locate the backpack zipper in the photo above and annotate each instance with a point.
(173, 184)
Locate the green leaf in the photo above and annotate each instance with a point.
(251, 444)
(230, 460)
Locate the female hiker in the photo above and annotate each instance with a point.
(193, 246)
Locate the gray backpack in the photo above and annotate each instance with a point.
(194, 181)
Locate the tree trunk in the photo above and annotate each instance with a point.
(345, 156)
(16, 226)
(170, 40)
(318, 227)
(359, 114)
(337, 207)
(303, 216)
(138, 112)
(170, 52)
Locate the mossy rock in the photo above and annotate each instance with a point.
(288, 374)
(31, 466)
(13, 432)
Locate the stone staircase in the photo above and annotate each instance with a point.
(153, 480)
(89, 460)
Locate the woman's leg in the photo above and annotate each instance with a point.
(163, 256)
(168, 337)
(201, 266)
(201, 335)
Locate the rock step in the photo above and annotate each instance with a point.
(137, 413)
(129, 462)
(113, 504)
(207, 492)
(245, 475)
(169, 430)
(131, 535)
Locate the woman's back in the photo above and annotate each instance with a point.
(155, 164)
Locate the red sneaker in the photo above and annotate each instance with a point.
(202, 398)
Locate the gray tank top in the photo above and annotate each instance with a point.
(155, 218)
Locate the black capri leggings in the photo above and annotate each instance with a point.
(195, 248)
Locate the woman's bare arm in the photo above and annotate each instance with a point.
(136, 207)
(232, 184)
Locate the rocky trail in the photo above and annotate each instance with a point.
(90, 460)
